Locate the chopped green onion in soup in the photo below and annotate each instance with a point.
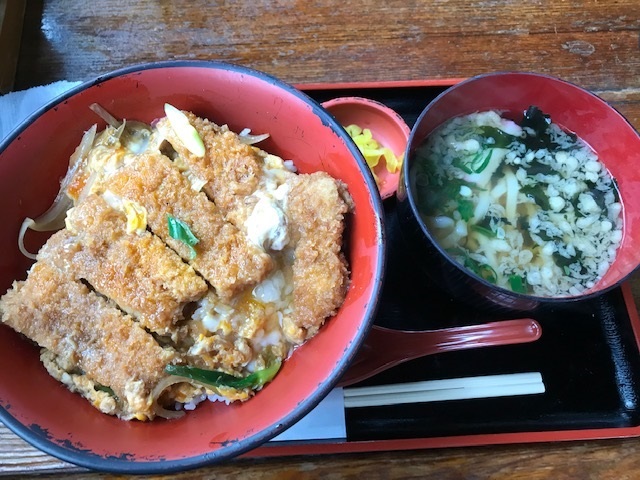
(526, 206)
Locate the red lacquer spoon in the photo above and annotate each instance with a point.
(385, 348)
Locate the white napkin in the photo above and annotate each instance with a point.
(327, 420)
(15, 107)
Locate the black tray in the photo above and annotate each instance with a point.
(588, 354)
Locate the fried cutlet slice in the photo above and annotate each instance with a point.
(137, 271)
(316, 208)
(89, 334)
(224, 256)
(231, 169)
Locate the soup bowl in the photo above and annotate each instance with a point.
(572, 108)
(34, 158)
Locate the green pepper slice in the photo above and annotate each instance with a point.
(181, 231)
(216, 378)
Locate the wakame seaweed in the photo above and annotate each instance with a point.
(504, 202)
(500, 138)
(539, 122)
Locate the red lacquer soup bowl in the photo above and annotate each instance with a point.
(574, 109)
(35, 157)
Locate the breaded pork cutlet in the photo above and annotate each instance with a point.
(224, 256)
(231, 169)
(316, 208)
(89, 334)
(136, 270)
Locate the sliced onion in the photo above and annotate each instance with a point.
(106, 116)
(85, 145)
(118, 131)
(54, 217)
(28, 223)
(248, 139)
(87, 186)
(168, 414)
(161, 386)
(165, 383)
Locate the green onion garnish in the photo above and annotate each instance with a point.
(516, 282)
(487, 273)
(181, 231)
(221, 379)
(101, 388)
(477, 164)
(184, 130)
(466, 209)
(487, 232)
(481, 269)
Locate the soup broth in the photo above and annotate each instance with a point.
(526, 206)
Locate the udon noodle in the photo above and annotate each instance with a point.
(526, 206)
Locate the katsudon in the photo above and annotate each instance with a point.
(190, 264)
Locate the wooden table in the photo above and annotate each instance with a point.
(593, 43)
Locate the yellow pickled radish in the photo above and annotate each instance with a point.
(371, 149)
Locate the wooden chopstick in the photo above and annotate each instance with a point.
(440, 390)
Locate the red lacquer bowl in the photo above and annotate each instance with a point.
(387, 127)
(33, 160)
(615, 141)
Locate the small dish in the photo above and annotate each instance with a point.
(387, 128)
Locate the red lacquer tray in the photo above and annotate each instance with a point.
(588, 354)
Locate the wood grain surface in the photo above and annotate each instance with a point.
(594, 43)
(11, 16)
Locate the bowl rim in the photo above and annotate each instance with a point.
(405, 180)
(38, 436)
(370, 103)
